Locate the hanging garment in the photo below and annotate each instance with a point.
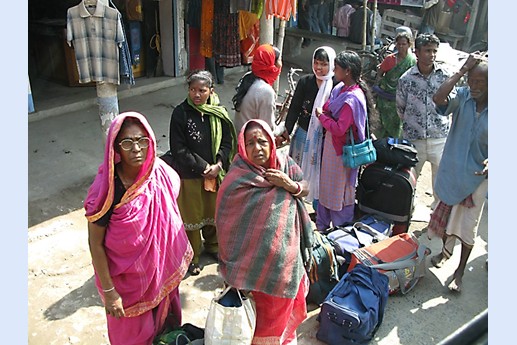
(125, 68)
(207, 28)
(194, 13)
(226, 50)
(96, 38)
(135, 39)
(282, 9)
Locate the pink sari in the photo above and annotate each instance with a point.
(146, 245)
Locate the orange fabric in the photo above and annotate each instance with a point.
(250, 42)
(246, 22)
(207, 28)
(282, 9)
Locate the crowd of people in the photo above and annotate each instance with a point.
(150, 218)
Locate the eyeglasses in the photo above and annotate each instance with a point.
(127, 144)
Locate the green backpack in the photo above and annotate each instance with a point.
(323, 274)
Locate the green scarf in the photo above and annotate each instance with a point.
(212, 107)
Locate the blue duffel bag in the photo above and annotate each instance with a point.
(354, 308)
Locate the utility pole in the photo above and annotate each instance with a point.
(108, 105)
(266, 30)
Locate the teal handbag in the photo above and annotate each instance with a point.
(355, 155)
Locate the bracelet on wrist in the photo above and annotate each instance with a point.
(298, 189)
(109, 290)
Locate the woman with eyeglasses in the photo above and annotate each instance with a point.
(202, 144)
(140, 251)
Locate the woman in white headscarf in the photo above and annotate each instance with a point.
(312, 91)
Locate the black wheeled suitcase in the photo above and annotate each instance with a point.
(387, 191)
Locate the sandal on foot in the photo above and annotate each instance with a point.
(194, 269)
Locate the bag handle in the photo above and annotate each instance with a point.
(398, 266)
(366, 134)
(239, 293)
(189, 342)
(226, 290)
(404, 262)
(360, 226)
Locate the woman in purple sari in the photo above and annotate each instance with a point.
(140, 251)
(349, 103)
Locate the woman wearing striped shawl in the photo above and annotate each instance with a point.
(265, 233)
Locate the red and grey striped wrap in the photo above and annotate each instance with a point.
(264, 233)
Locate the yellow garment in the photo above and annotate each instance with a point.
(246, 22)
(207, 28)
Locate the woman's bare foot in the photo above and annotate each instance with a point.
(456, 283)
(438, 260)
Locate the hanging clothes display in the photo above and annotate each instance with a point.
(193, 19)
(194, 13)
(125, 70)
(249, 35)
(282, 9)
(226, 47)
(207, 28)
(96, 34)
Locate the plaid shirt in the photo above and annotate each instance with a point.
(96, 38)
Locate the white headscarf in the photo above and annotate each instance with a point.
(312, 150)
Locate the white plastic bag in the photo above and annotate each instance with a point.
(230, 325)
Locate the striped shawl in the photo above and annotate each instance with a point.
(264, 233)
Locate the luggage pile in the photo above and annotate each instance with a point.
(376, 256)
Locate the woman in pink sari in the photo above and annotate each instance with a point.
(265, 246)
(140, 251)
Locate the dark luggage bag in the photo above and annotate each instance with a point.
(354, 309)
(388, 192)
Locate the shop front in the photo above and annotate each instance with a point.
(151, 29)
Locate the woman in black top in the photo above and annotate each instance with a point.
(312, 91)
(202, 144)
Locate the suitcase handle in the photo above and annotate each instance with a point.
(403, 263)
